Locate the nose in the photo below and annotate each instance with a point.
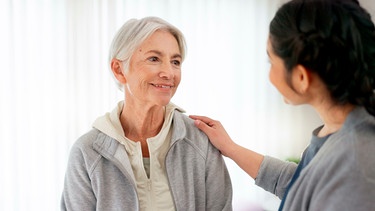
(167, 71)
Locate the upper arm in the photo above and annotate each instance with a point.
(78, 193)
(217, 181)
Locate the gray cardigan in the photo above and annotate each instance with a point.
(99, 175)
(341, 176)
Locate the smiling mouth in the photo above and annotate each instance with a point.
(162, 86)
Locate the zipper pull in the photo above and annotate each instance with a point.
(149, 184)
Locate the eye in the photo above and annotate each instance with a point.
(153, 59)
(176, 63)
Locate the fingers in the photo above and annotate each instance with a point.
(204, 119)
(203, 126)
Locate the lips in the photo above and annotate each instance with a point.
(164, 86)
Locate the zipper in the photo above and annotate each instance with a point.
(150, 203)
(149, 185)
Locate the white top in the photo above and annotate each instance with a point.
(152, 187)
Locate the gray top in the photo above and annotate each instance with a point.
(315, 144)
(99, 175)
(341, 176)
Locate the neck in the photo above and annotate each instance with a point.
(141, 122)
(333, 117)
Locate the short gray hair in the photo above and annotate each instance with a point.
(134, 32)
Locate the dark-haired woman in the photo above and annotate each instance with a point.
(322, 53)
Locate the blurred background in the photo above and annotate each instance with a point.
(55, 82)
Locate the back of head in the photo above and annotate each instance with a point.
(134, 32)
(333, 38)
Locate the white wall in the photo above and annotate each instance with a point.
(55, 81)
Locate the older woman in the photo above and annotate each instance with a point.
(146, 154)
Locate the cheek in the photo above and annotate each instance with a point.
(135, 83)
(277, 79)
(272, 76)
(177, 78)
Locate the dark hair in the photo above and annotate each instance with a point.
(333, 38)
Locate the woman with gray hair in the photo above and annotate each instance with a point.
(146, 154)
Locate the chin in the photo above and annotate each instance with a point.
(163, 102)
(286, 101)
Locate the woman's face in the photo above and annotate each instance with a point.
(154, 70)
(277, 76)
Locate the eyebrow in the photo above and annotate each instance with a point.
(161, 54)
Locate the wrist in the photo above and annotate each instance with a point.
(230, 150)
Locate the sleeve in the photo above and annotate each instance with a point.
(218, 183)
(77, 193)
(274, 175)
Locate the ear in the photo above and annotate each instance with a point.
(301, 79)
(118, 70)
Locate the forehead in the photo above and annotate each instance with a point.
(162, 39)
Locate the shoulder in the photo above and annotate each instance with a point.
(185, 130)
(356, 137)
(86, 141)
(186, 127)
(85, 149)
(356, 140)
(360, 125)
(349, 154)
(362, 143)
